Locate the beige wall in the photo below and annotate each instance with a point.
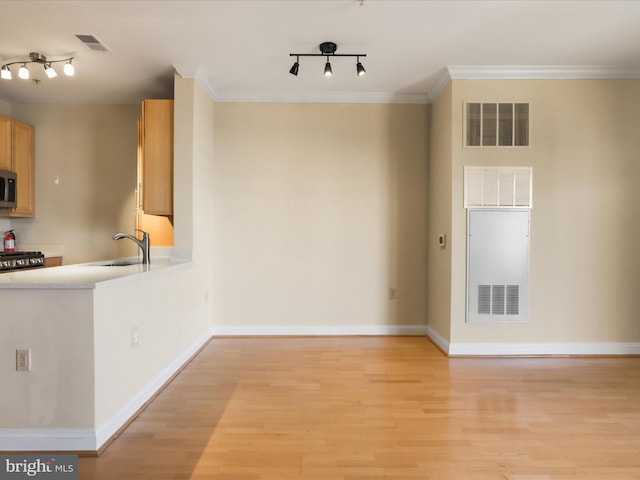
(193, 183)
(439, 215)
(5, 108)
(183, 152)
(57, 327)
(318, 211)
(308, 213)
(585, 260)
(85, 180)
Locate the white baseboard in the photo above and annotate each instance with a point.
(541, 349)
(454, 349)
(108, 429)
(86, 440)
(320, 330)
(40, 440)
(441, 342)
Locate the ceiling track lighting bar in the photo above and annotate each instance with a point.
(35, 57)
(327, 50)
(321, 55)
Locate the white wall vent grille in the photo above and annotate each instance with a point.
(498, 266)
(498, 187)
(498, 300)
(496, 124)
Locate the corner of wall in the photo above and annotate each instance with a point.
(439, 220)
(5, 108)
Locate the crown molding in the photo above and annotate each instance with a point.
(443, 80)
(195, 72)
(541, 72)
(322, 97)
(531, 72)
(447, 74)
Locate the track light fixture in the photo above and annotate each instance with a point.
(327, 49)
(35, 57)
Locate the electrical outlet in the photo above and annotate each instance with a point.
(135, 336)
(23, 360)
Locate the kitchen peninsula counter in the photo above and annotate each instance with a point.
(102, 341)
(84, 275)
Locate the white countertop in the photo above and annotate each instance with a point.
(83, 275)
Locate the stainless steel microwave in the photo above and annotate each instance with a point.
(8, 189)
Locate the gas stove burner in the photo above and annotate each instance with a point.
(19, 260)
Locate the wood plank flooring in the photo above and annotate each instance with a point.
(373, 408)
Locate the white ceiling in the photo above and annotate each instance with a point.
(240, 48)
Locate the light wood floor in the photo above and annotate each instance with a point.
(373, 408)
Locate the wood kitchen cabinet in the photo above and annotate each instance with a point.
(17, 153)
(156, 152)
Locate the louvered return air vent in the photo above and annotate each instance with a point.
(498, 299)
(93, 43)
(498, 266)
(498, 187)
(496, 124)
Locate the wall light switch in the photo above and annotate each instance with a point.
(442, 240)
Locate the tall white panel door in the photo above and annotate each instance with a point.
(498, 265)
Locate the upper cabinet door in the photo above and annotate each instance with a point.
(157, 157)
(24, 137)
(5, 143)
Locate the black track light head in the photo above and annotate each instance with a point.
(359, 68)
(327, 69)
(294, 68)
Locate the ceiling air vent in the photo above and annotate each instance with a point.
(93, 43)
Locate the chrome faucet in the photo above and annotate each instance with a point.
(143, 244)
